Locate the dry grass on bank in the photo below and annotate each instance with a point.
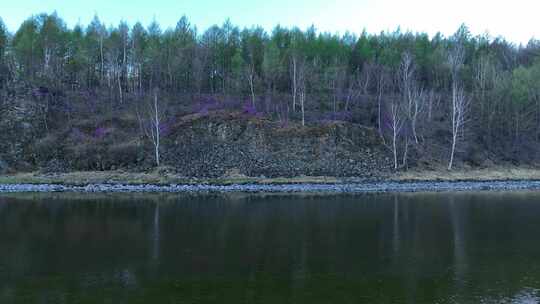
(158, 177)
(154, 178)
(491, 174)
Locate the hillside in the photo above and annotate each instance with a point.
(232, 101)
(214, 144)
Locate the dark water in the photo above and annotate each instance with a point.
(407, 248)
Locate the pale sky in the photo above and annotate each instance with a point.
(516, 20)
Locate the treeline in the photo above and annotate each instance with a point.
(428, 97)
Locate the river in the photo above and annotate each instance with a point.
(467, 247)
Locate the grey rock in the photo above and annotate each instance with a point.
(378, 187)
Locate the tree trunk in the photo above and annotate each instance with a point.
(294, 84)
(157, 131)
(302, 97)
(394, 146)
(101, 57)
(405, 153)
(454, 123)
(450, 164)
(120, 87)
(251, 87)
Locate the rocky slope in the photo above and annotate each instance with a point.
(232, 143)
(215, 144)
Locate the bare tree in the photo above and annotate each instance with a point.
(337, 82)
(294, 64)
(365, 77)
(251, 78)
(406, 83)
(418, 102)
(460, 102)
(155, 133)
(150, 125)
(382, 84)
(460, 106)
(102, 32)
(353, 90)
(412, 93)
(413, 98)
(432, 100)
(396, 125)
(302, 91)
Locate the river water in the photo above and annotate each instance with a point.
(240, 248)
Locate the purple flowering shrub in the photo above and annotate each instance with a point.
(250, 110)
(100, 132)
(165, 127)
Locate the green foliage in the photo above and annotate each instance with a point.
(181, 59)
(104, 66)
(252, 47)
(526, 84)
(271, 62)
(364, 50)
(25, 44)
(3, 40)
(3, 46)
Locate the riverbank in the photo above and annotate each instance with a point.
(162, 176)
(372, 187)
(503, 173)
(508, 179)
(159, 177)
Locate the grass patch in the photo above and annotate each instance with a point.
(158, 177)
(154, 178)
(491, 174)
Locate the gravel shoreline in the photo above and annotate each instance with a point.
(375, 187)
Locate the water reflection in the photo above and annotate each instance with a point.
(406, 248)
(396, 234)
(458, 222)
(155, 236)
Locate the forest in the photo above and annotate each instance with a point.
(446, 100)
